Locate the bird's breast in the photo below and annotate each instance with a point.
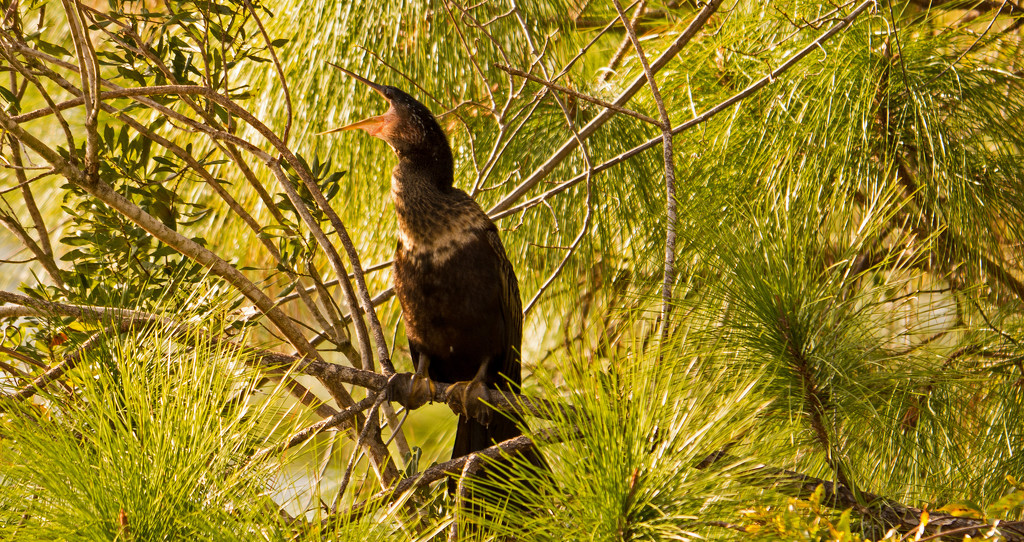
(434, 237)
(451, 302)
(437, 251)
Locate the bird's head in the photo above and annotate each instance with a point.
(407, 126)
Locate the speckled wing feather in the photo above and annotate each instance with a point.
(512, 309)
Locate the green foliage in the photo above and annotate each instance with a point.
(631, 461)
(805, 520)
(153, 445)
(115, 261)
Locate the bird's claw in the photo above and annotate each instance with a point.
(470, 399)
(410, 390)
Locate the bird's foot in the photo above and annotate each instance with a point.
(470, 399)
(410, 390)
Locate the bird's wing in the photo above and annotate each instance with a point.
(511, 308)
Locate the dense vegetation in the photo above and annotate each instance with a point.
(798, 317)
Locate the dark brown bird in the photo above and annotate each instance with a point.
(458, 291)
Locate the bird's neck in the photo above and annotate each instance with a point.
(430, 211)
(420, 195)
(420, 182)
(430, 163)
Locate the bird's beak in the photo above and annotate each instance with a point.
(372, 125)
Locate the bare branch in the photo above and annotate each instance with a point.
(90, 85)
(84, 312)
(305, 395)
(155, 227)
(371, 423)
(563, 152)
(670, 177)
(35, 248)
(299, 167)
(315, 429)
(505, 210)
(449, 468)
(51, 108)
(840, 497)
(620, 53)
(30, 203)
(577, 94)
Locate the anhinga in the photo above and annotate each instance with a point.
(458, 291)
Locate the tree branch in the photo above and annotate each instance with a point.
(670, 177)
(577, 94)
(559, 155)
(90, 85)
(620, 53)
(502, 209)
(840, 497)
(449, 468)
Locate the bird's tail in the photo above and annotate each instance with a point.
(473, 436)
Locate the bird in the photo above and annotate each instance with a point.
(452, 276)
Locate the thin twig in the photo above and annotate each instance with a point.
(51, 107)
(370, 422)
(962, 54)
(315, 429)
(899, 46)
(227, 147)
(36, 249)
(305, 395)
(184, 90)
(329, 283)
(670, 177)
(277, 67)
(585, 227)
(197, 167)
(364, 293)
(577, 94)
(563, 152)
(449, 468)
(335, 328)
(469, 51)
(499, 148)
(30, 203)
(332, 255)
(469, 470)
(90, 85)
(66, 364)
(230, 150)
(106, 193)
(47, 173)
(501, 210)
(620, 53)
(381, 457)
(1002, 333)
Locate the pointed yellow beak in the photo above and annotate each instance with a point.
(372, 125)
